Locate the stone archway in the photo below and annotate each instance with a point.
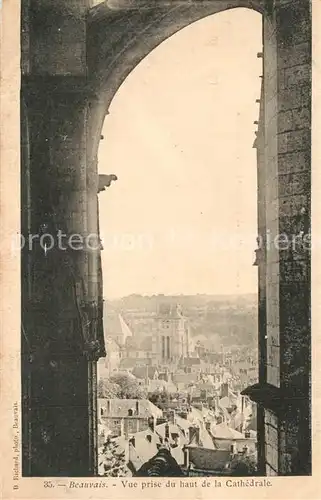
(71, 68)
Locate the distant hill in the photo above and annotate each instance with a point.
(222, 319)
(151, 302)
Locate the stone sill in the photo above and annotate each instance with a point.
(275, 399)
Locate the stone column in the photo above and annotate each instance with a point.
(284, 388)
(56, 320)
(294, 183)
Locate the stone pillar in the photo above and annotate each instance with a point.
(59, 363)
(294, 181)
(287, 103)
(261, 263)
(283, 392)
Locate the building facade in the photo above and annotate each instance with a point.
(170, 340)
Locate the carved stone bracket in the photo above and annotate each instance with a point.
(93, 339)
(275, 399)
(105, 180)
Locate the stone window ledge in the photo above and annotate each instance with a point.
(275, 399)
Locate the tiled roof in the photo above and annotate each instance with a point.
(209, 459)
(115, 326)
(178, 454)
(227, 402)
(223, 431)
(173, 429)
(195, 415)
(237, 419)
(184, 378)
(144, 448)
(182, 423)
(252, 424)
(120, 407)
(205, 439)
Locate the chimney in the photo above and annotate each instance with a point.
(186, 457)
(172, 416)
(233, 449)
(224, 390)
(167, 431)
(151, 423)
(137, 407)
(194, 431)
(125, 428)
(197, 434)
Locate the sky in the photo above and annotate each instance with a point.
(182, 216)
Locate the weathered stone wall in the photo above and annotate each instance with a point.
(271, 432)
(58, 351)
(287, 82)
(57, 307)
(294, 153)
(56, 37)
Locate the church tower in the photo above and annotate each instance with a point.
(170, 341)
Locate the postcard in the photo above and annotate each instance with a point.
(160, 264)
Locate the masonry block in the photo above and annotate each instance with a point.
(289, 56)
(292, 184)
(273, 334)
(58, 42)
(293, 20)
(273, 375)
(297, 75)
(296, 97)
(298, 140)
(273, 355)
(272, 314)
(271, 418)
(285, 121)
(294, 271)
(296, 119)
(294, 162)
(302, 118)
(293, 227)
